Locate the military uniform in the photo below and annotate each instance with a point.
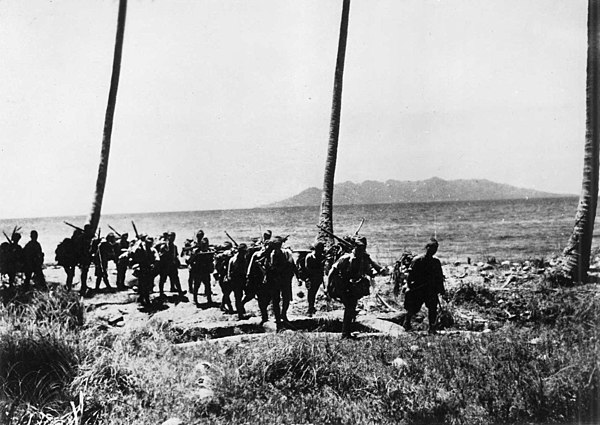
(236, 274)
(314, 268)
(33, 260)
(201, 266)
(425, 282)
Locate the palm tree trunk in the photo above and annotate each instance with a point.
(579, 247)
(326, 218)
(108, 120)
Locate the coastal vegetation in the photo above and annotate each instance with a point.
(530, 354)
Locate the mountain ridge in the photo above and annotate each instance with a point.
(433, 189)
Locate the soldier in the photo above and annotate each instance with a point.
(33, 257)
(104, 252)
(278, 283)
(201, 266)
(169, 265)
(255, 275)
(314, 269)
(13, 258)
(236, 273)
(145, 259)
(66, 256)
(351, 275)
(425, 282)
(82, 240)
(122, 260)
(222, 257)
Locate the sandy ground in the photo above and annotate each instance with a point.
(120, 309)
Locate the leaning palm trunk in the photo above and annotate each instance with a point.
(578, 249)
(326, 218)
(108, 120)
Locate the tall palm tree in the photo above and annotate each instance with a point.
(108, 120)
(578, 249)
(326, 218)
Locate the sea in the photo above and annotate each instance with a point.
(514, 230)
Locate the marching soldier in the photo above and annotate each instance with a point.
(33, 257)
(425, 282)
(201, 266)
(314, 269)
(169, 265)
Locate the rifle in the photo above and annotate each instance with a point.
(137, 235)
(232, 240)
(337, 238)
(73, 226)
(7, 238)
(113, 229)
(359, 226)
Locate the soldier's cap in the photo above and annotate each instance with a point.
(142, 236)
(360, 241)
(278, 240)
(267, 234)
(124, 235)
(227, 244)
(432, 242)
(200, 232)
(242, 247)
(149, 239)
(111, 235)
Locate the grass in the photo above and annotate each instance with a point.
(542, 367)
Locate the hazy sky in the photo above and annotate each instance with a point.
(226, 104)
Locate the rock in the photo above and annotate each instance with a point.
(399, 363)
(204, 395)
(457, 263)
(516, 265)
(480, 264)
(487, 267)
(114, 320)
(505, 264)
(173, 421)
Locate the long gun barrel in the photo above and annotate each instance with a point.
(337, 238)
(359, 227)
(73, 226)
(137, 235)
(113, 229)
(232, 240)
(6, 236)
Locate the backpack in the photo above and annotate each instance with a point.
(65, 253)
(334, 285)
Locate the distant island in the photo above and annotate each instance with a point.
(430, 190)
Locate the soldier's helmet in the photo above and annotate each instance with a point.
(110, 237)
(242, 247)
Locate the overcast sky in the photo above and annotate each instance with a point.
(226, 104)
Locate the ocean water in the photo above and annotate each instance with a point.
(511, 229)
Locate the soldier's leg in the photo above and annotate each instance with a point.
(191, 281)
(28, 274)
(286, 298)
(413, 301)
(70, 271)
(431, 303)
(276, 299)
(194, 284)
(226, 289)
(161, 282)
(237, 293)
(174, 279)
(349, 315)
(38, 275)
(121, 271)
(312, 288)
(264, 298)
(84, 273)
(207, 288)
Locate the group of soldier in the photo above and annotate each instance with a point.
(263, 270)
(28, 259)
